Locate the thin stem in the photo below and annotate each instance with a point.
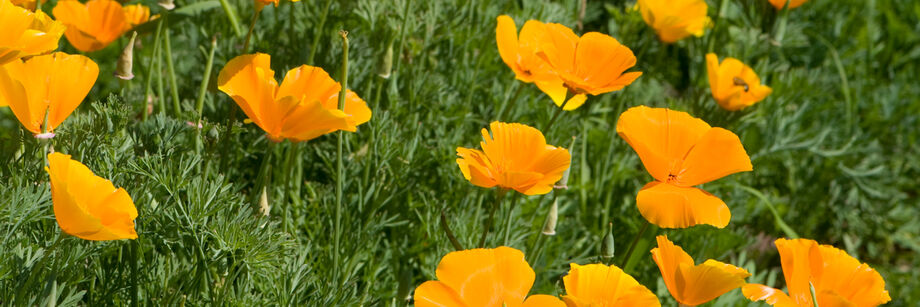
(568, 95)
(509, 219)
(319, 32)
(173, 85)
(509, 104)
(148, 91)
(289, 160)
(252, 25)
(632, 246)
(340, 173)
(231, 15)
(135, 246)
(450, 234)
(203, 90)
(485, 231)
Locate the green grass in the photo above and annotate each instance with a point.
(835, 153)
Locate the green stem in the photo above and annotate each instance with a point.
(340, 173)
(252, 25)
(206, 79)
(485, 231)
(450, 234)
(231, 14)
(509, 104)
(319, 32)
(509, 219)
(135, 246)
(568, 95)
(288, 161)
(148, 91)
(632, 246)
(173, 85)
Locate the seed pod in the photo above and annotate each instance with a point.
(125, 68)
(385, 66)
(264, 207)
(167, 4)
(607, 248)
(549, 226)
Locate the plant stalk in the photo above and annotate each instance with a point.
(340, 173)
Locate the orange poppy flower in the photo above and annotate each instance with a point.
(674, 20)
(27, 4)
(54, 84)
(26, 33)
(692, 284)
(515, 156)
(94, 25)
(838, 278)
(779, 4)
(681, 151)
(304, 107)
(259, 4)
(601, 285)
(136, 14)
(88, 206)
(594, 63)
(734, 85)
(482, 277)
(520, 54)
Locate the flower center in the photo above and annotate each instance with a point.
(741, 82)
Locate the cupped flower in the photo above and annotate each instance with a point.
(779, 4)
(681, 151)
(515, 156)
(674, 20)
(520, 54)
(88, 206)
(26, 33)
(94, 25)
(691, 284)
(482, 277)
(53, 84)
(838, 278)
(136, 14)
(734, 85)
(593, 64)
(601, 285)
(303, 107)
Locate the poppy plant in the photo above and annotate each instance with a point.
(681, 151)
(136, 14)
(779, 4)
(691, 284)
(96, 24)
(675, 20)
(304, 107)
(520, 54)
(482, 277)
(46, 87)
(838, 278)
(88, 206)
(734, 85)
(601, 285)
(26, 33)
(515, 156)
(594, 63)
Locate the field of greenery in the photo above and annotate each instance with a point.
(228, 216)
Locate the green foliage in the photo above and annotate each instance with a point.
(834, 150)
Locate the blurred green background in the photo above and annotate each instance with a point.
(834, 150)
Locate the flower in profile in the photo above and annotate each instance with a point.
(482, 277)
(691, 284)
(515, 156)
(96, 24)
(53, 84)
(681, 151)
(304, 107)
(779, 4)
(136, 14)
(88, 206)
(27, 4)
(520, 54)
(674, 20)
(26, 33)
(601, 285)
(593, 64)
(734, 85)
(838, 278)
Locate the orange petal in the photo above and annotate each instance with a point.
(557, 91)
(601, 285)
(670, 206)
(249, 80)
(542, 300)
(845, 280)
(136, 14)
(309, 83)
(600, 60)
(92, 26)
(558, 47)
(475, 167)
(774, 297)
(661, 137)
(507, 39)
(669, 257)
(69, 79)
(705, 282)
(436, 294)
(487, 277)
(718, 153)
(800, 259)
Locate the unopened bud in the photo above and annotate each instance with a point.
(264, 207)
(549, 226)
(563, 183)
(607, 248)
(167, 4)
(125, 68)
(385, 66)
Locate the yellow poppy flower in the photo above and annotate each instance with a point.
(94, 25)
(681, 151)
(593, 64)
(27, 4)
(88, 206)
(601, 285)
(304, 107)
(520, 54)
(482, 277)
(26, 33)
(838, 278)
(136, 14)
(54, 84)
(515, 156)
(692, 284)
(674, 20)
(779, 4)
(734, 85)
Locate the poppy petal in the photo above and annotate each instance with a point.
(542, 300)
(557, 91)
(487, 277)
(718, 153)
(705, 282)
(670, 206)
(436, 294)
(558, 48)
(601, 285)
(774, 297)
(506, 37)
(661, 137)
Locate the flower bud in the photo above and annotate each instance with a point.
(607, 248)
(125, 68)
(549, 226)
(385, 67)
(167, 4)
(264, 207)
